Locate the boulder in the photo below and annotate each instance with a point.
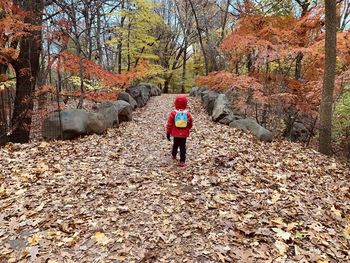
(299, 132)
(222, 108)
(109, 111)
(229, 118)
(251, 125)
(233, 96)
(96, 123)
(208, 101)
(202, 93)
(74, 123)
(194, 92)
(126, 97)
(140, 93)
(153, 89)
(124, 111)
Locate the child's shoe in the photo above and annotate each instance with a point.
(182, 164)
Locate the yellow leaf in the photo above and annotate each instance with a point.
(278, 221)
(346, 232)
(42, 167)
(336, 211)
(275, 198)
(34, 240)
(291, 226)
(2, 191)
(101, 238)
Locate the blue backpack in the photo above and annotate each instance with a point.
(181, 119)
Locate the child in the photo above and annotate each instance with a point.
(178, 126)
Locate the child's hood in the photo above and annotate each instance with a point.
(181, 102)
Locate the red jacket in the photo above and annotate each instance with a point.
(180, 104)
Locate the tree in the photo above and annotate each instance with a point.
(325, 136)
(27, 45)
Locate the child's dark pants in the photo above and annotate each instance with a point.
(180, 142)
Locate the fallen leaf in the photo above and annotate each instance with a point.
(101, 238)
(34, 240)
(282, 234)
(281, 247)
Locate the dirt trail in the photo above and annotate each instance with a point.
(120, 198)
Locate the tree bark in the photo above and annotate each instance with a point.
(184, 63)
(298, 60)
(200, 38)
(26, 68)
(325, 136)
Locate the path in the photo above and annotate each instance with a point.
(120, 198)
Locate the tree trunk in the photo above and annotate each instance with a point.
(223, 26)
(98, 38)
(183, 84)
(250, 63)
(128, 47)
(120, 44)
(166, 86)
(200, 38)
(26, 69)
(298, 60)
(325, 137)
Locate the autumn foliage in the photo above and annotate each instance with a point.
(70, 63)
(12, 29)
(276, 48)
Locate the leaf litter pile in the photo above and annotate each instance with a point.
(120, 197)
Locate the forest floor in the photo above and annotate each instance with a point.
(120, 197)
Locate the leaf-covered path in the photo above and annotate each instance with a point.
(120, 198)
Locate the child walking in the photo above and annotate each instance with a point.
(178, 126)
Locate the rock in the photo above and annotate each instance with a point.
(153, 89)
(299, 132)
(140, 93)
(222, 109)
(74, 123)
(124, 111)
(194, 92)
(109, 111)
(208, 101)
(126, 97)
(202, 93)
(105, 105)
(251, 125)
(96, 123)
(229, 118)
(197, 92)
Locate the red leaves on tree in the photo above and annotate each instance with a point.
(12, 28)
(70, 63)
(272, 44)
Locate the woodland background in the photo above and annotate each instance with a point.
(269, 54)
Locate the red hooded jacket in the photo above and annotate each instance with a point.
(180, 104)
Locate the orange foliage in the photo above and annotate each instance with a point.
(70, 63)
(99, 96)
(273, 43)
(12, 29)
(223, 80)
